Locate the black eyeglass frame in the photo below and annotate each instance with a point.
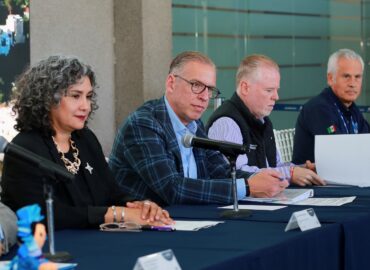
(213, 92)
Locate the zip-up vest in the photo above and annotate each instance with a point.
(258, 136)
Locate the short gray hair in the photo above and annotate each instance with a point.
(189, 56)
(342, 53)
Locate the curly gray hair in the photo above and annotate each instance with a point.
(41, 86)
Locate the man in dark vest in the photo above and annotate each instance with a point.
(244, 119)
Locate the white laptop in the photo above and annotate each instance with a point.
(343, 159)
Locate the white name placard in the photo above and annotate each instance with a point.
(161, 260)
(305, 220)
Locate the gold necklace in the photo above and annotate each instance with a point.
(74, 166)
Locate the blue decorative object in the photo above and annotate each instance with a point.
(29, 255)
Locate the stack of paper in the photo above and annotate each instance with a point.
(288, 196)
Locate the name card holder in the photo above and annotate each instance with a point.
(305, 220)
(165, 259)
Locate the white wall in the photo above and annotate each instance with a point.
(129, 71)
(83, 28)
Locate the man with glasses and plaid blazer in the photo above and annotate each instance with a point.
(149, 160)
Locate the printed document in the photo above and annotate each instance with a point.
(343, 159)
(326, 201)
(186, 225)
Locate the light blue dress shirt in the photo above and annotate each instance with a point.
(187, 156)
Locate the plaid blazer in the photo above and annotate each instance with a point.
(146, 162)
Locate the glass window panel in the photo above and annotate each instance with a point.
(298, 34)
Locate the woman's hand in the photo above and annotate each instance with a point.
(150, 212)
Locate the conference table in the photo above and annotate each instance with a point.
(256, 242)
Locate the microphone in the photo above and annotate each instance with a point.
(43, 163)
(226, 148)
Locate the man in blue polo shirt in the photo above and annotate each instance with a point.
(333, 111)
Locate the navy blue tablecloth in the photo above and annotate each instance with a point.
(232, 245)
(257, 242)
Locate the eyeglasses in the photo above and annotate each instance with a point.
(198, 87)
(120, 227)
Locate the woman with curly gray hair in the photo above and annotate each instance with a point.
(54, 100)
(41, 88)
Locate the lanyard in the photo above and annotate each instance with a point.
(353, 123)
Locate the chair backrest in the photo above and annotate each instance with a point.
(284, 143)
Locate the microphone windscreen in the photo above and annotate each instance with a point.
(187, 139)
(3, 144)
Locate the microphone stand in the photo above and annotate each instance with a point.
(61, 256)
(236, 212)
(50, 169)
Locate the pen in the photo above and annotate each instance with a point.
(157, 228)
